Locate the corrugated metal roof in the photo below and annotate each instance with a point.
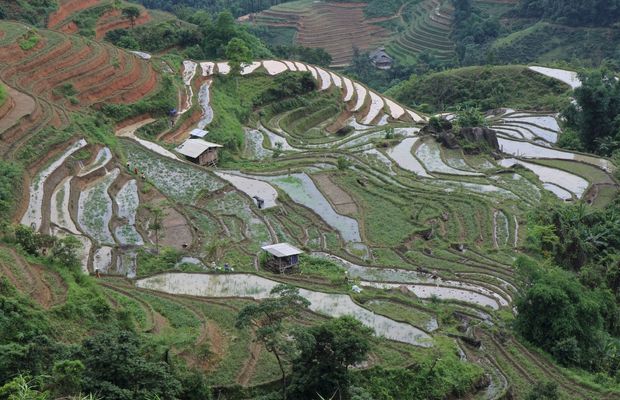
(282, 250)
(195, 147)
(200, 133)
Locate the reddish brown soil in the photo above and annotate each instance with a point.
(247, 371)
(114, 20)
(68, 7)
(21, 105)
(336, 27)
(71, 27)
(181, 132)
(35, 281)
(341, 200)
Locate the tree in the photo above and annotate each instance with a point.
(67, 377)
(269, 317)
(237, 53)
(597, 112)
(544, 391)
(116, 368)
(327, 351)
(131, 13)
(558, 314)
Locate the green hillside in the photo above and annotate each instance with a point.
(483, 87)
(188, 212)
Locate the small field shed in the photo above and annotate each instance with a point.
(281, 257)
(200, 151)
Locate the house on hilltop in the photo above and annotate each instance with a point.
(381, 59)
(200, 151)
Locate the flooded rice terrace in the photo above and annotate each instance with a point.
(256, 287)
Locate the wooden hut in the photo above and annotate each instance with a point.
(380, 59)
(200, 151)
(281, 257)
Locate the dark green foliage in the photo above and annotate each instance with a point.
(286, 85)
(156, 37)
(10, 176)
(472, 29)
(34, 12)
(362, 69)
(598, 12)
(326, 352)
(316, 56)
(558, 314)
(436, 379)
(117, 368)
(131, 13)
(484, 88)
(236, 7)
(469, 117)
(268, 318)
(158, 104)
(544, 391)
(237, 54)
(596, 116)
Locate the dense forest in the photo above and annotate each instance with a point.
(575, 13)
(236, 7)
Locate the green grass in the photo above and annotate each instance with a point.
(483, 87)
(3, 94)
(29, 40)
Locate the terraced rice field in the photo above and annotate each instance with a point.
(339, 27)
(110, 18)
(428, 234)
(335, 27)
(428, 31)
(96, 72)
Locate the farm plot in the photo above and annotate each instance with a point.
(245, 285)
(179, 180)
(34, 214)
(95, 208)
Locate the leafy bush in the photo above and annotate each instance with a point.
(10, 176)
(29, 40)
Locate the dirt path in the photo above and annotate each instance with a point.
(32, 280)
(247, 372)
(341, 200)
(22, 105)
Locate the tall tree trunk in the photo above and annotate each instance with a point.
(275, 353)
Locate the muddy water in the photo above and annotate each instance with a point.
(569, 77)
(252, 187)
(95, 208)
(302, 190)
(401, 153)
(59, 210)
(254, 145)
(430, 155)
(246, 285)
(376, 105)
(420, 283)
(33, 216)
(563, 179)
(562, 193)
(103, 157)
(275, 138)
(396, 111)
(530, 150)
(361, 93)
(204, 101)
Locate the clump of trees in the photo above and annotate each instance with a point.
(596, 115)
(570, 303)
(473, 28)
(577, 13)
(320, 356)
